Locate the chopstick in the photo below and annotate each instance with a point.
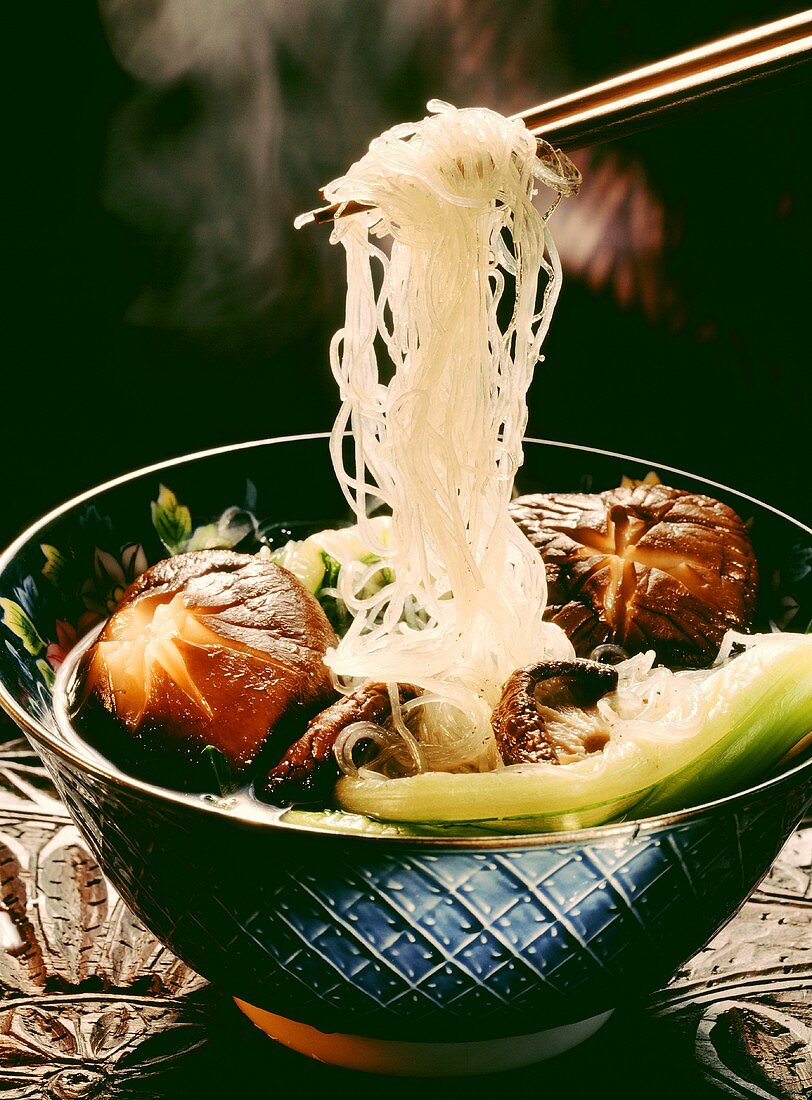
(635, 100)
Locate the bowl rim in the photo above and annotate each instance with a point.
(40, 733)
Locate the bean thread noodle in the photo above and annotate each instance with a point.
(433, 389)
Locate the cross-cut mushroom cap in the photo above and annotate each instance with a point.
(209, 648)
(646, 567)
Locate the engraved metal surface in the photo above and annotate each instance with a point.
(92, 1006)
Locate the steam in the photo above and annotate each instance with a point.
(242, 109)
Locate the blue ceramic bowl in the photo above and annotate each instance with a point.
(400, 954)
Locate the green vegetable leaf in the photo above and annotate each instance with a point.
(172, 521)
(208, 537)
(225, 778)
(335, 609)
(331, 570)
(228, 531)
(384, 575)
(19, 624)
(55, 564)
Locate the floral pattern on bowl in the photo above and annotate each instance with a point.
(84, 585)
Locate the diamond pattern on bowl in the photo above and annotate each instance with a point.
(402, 940)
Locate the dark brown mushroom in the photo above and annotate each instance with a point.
(534, 695)
(308, 770)
(209, 648)
(643, 567)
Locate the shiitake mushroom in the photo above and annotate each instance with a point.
(308, 771)
(209, 657)
(545, 711)
(645, 567)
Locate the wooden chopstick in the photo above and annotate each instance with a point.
(642, 97)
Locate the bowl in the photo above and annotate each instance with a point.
(414, 955)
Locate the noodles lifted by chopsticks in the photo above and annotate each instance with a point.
(434, 391)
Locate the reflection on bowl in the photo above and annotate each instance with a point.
(436, 954)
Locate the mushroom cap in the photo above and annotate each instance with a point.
(206, 648)
(645, 567)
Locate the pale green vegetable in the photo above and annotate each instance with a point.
(318, 561)
(346, 823)
(762, 713)
(304, 560)
(342, 822)
(751, 713)
(308, 559)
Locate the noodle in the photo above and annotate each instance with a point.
(440, 441)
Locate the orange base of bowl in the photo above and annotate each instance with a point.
(408, 1059)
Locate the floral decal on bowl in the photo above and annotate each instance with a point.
(98, 596)
(66, 636)
(173, 524)
(112, 576)
(44, 615)
(18, 619)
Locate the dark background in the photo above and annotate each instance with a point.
(161, 301)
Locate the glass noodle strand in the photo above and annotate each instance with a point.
(433, 390)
